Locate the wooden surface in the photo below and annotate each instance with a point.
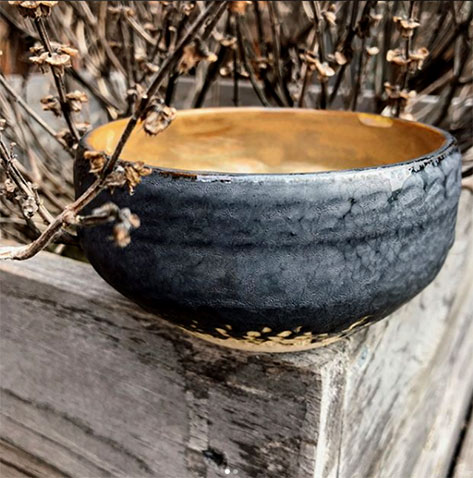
(91, 387)
(463, 464)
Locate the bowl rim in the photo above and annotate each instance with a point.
(416, 163)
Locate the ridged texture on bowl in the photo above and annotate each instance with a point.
(281, 262)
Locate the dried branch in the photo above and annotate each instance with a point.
(58, 79)
(67, 216)
(33, 114)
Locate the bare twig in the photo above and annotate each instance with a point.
(33, 114)
(346, 49)
(59, 81)
(407, 51)
(30, 195)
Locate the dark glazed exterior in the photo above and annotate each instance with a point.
(281, 261)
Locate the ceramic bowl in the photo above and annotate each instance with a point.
(278, 229)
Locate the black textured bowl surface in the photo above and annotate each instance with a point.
(280, 262)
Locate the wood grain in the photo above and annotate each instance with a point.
(91, 386)
(464, 461)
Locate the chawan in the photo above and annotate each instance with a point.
(278, 229)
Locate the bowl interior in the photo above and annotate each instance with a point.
(269, 141)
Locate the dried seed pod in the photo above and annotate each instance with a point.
(51, 103)
(418, 57)
(40, 60)
(116, 179)
(340, 58)
(58, 61)
(121, 235)
(406, 26)
(396, 57)
(396, 95)
(29, 206)
(228, 41)
(133, 173)
(186, 7)
(157, 118)
(372, 50)
(226, 70)
(324, 70)
(9, 188)
(76, 99)
(193, 54)
(97, 160)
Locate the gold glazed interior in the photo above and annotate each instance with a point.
(268, 141)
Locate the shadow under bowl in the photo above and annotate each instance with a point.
(278, 229)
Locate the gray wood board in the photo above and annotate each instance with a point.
(464, 461)
(91, 386)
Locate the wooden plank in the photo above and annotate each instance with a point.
(92, 386)
(464, 461)
(15, 462)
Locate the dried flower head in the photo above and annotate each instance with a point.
(330, 17)
(124, 221)
(239, 8)
(127, 174)
(116, 179)
(340, 58)
(396, 95)
(8, 188)
(76, 99)
(418, 57)
(29, 206)
(51, 103)
(125, 224)
(97, 160)
(324, 70)
(157, 118)
(406, 26)
(186, 7)
(228, 41)
(193, 54)
(59, 59)
(66, 137)
(34, 9)
(396, 57)
(372, 50)
(226, 70)
(133, 173)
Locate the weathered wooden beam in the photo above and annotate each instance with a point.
(463, 465)
(91, 386)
